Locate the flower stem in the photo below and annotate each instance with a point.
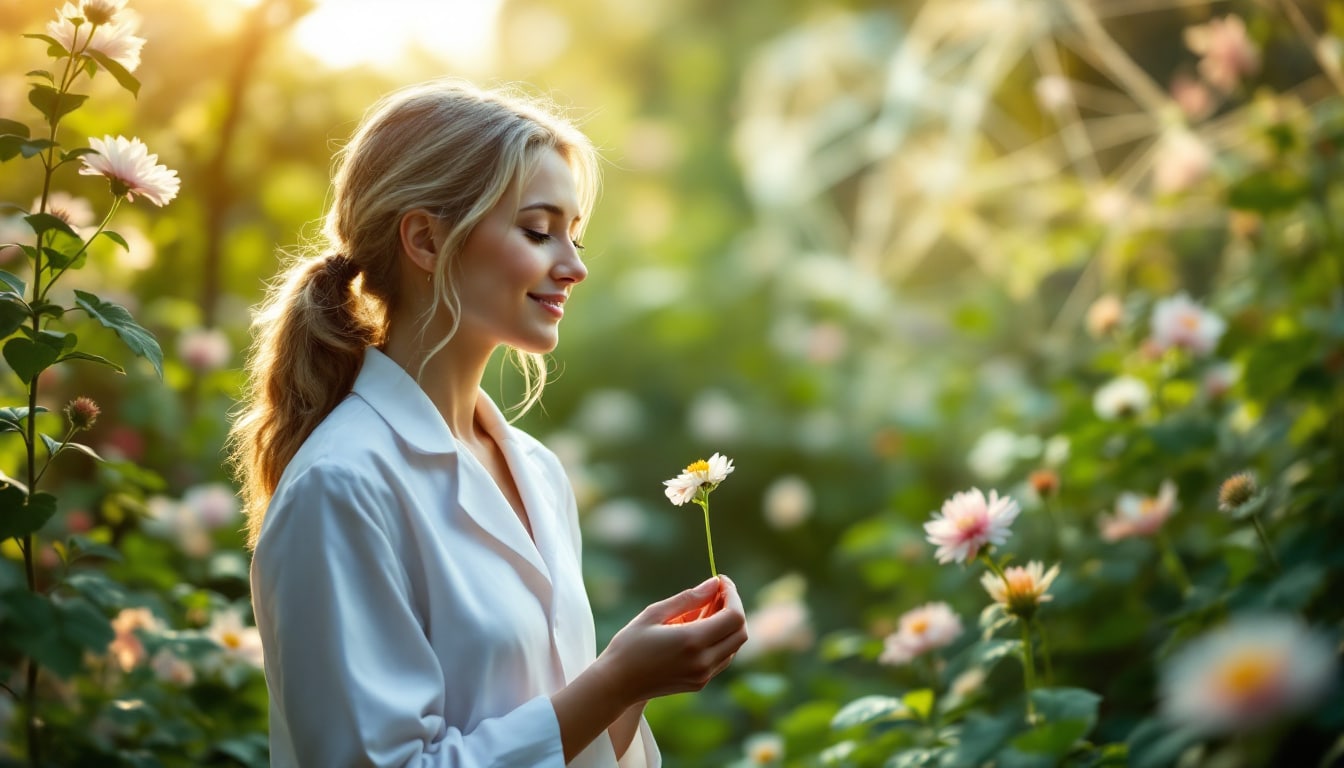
(1045, 653)
(709, 538)
(1264, 541)
(1028, 670)
(1173, 563)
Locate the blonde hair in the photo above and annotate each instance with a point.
(444, 146)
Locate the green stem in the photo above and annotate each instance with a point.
(1264, 541)
(709, 538)
(1045, 653)
(116, 203)
(1028, 670)
(1173, 563)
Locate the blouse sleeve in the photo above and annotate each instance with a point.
(353, 679)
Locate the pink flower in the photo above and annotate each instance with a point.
(1180, 162)
(780, 625)
(1180, 322)
(131, 170)
(169, 668)
(1192, 96)
(1105, 316)
(1246, 674)
(968, 522)
(1137, 515)
(1226, 52)
(126, 649)
(204, 349)
(239, 642)
(923, 629)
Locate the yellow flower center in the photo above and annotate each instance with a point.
(919, 626)
(765, 755)
(1249, 673)
(1189, 322)
(698, 467)
(231, 640)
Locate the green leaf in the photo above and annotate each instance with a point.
(51, 43)
(82, 546)
(83, 624)
(9, 146)
(55, 446)
(34, 147)
(77, 153)
(116, 238)
(1060, 704)
(869, 709)
(1268, 191)
(13, 419)
(42, 73)
(92, 359)
(1054, 738)
(53, 104)
(14, 127)
(13, 281)
(21, 514)
(919, 701)
(48, 308)
(123, 76)
(981, 737)
(114, 316)
(28, 358)
(12, 315)
(43, 222)
(97, 588)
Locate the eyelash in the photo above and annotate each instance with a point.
(542, 237)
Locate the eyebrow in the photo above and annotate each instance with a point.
(550, 208)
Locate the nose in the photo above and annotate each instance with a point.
(570, 268)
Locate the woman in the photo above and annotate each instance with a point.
(416, 575)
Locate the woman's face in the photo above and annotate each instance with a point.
(520, 263)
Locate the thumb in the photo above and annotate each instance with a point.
(683, 601)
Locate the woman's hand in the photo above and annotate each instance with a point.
(678, 644)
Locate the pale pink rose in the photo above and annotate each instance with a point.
(1138, 515)
(1180, 322)
(968, 522)
(1247, 674)
(1226, 52)
(923, 629)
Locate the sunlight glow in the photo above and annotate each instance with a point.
(348, 33)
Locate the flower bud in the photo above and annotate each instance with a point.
(1235, 491)
(101, 11)
(1045, 482)
(82, 413)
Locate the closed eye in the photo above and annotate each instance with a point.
(542, 237)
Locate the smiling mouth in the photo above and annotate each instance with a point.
(556, 306)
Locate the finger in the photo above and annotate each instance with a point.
(683, 602)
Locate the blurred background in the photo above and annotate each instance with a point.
(852, 245)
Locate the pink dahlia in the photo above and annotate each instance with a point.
(923, 629)
(968, 522)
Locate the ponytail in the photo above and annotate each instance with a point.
(310, 337)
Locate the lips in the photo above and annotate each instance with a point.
(552, 302)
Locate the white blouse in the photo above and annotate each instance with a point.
(407, 617)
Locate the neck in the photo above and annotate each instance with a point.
(451, 378)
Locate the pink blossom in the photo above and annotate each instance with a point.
(923, 629)
(1181, 322)
(968, 522)
(1226, 52)
(204, 349)
(126, 649)
(130, 169)
(1138, 515)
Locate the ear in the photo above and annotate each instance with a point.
(419, 238)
